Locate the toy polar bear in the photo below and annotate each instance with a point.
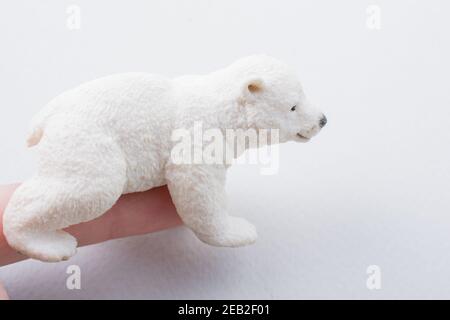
(112, 136)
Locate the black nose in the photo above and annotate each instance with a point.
(323, 121)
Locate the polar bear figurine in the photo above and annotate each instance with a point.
(113, 136)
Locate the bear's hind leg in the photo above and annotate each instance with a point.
(80, 177)
(42, 206)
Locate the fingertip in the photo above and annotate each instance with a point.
(3, 293)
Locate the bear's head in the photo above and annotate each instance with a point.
(272, 98)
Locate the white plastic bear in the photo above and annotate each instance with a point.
(112, 136)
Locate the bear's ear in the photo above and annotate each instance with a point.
(252, 87)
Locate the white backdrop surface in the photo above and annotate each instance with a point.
(371, 189)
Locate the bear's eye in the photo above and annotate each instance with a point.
(293, 108)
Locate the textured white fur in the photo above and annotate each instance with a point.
(112, 136)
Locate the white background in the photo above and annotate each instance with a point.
(371, 189)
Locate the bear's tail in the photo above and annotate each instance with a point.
(35, 136)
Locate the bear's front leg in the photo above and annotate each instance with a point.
(198, 192)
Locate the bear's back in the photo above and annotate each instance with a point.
(109, 99)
